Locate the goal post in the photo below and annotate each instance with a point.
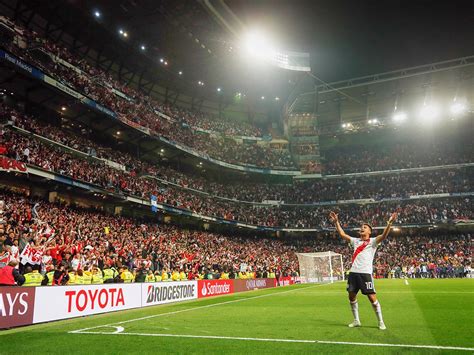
(321, 267)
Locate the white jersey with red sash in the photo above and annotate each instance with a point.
(363, 256)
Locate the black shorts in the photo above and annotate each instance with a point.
(363, 282)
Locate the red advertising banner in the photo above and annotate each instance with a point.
(16, 306)
(7, 164)
(209, 288)
(284, 281)
(252, 284)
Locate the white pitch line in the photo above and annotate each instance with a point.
(194, 308)
(436, 347)
(395, 292)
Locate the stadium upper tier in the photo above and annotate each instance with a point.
(125, 177)
(398, 156)
(86, 238)
(40, 153)
(144, 113)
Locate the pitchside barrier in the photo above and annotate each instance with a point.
(30, 305)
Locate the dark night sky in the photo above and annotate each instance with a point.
(350, 38)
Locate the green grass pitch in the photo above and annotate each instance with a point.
(301, 318)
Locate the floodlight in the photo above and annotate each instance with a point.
(161, 60)
(344, 125)
(121, 31)
(399, 116)
(142, 47)
(97, 14)
(125, 34)
(429, 112)
(63, 108)
(219, 89)
(263, 97)
(256, 45)
(277, 98)
(165, 63)
(457, 108)
(180, 73)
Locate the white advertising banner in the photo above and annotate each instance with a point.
(167, 292)
(52, 303)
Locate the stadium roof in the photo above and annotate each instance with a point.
(345, 38)
(355, 38)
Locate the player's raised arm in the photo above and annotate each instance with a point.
(386, 231)
(335, 219)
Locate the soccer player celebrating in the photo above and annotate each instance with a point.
(360, 275)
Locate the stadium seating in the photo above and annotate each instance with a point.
(132, 107)
(82, 239)
(216, 202)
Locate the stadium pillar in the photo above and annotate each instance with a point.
(52, 195)
(118, 210)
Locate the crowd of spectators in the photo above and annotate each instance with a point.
(136, 108)
(80, 241)
(310, 191)
(221, 200)
(411, 212)
(91, 238)
(405, 155)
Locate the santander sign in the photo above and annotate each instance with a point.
(209, 288)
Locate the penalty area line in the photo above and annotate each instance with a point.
(435, 347)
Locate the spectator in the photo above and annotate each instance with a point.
(10, 276)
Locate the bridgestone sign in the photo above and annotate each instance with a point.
(159, 293)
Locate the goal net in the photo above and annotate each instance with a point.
(321, 267)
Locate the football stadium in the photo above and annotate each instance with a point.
(236, 176)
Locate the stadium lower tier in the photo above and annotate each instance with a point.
(46, 236)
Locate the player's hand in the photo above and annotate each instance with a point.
(393, 217)
(333, 217)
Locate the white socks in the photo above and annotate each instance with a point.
(355, 310)
(378, 310)
(376, 306)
